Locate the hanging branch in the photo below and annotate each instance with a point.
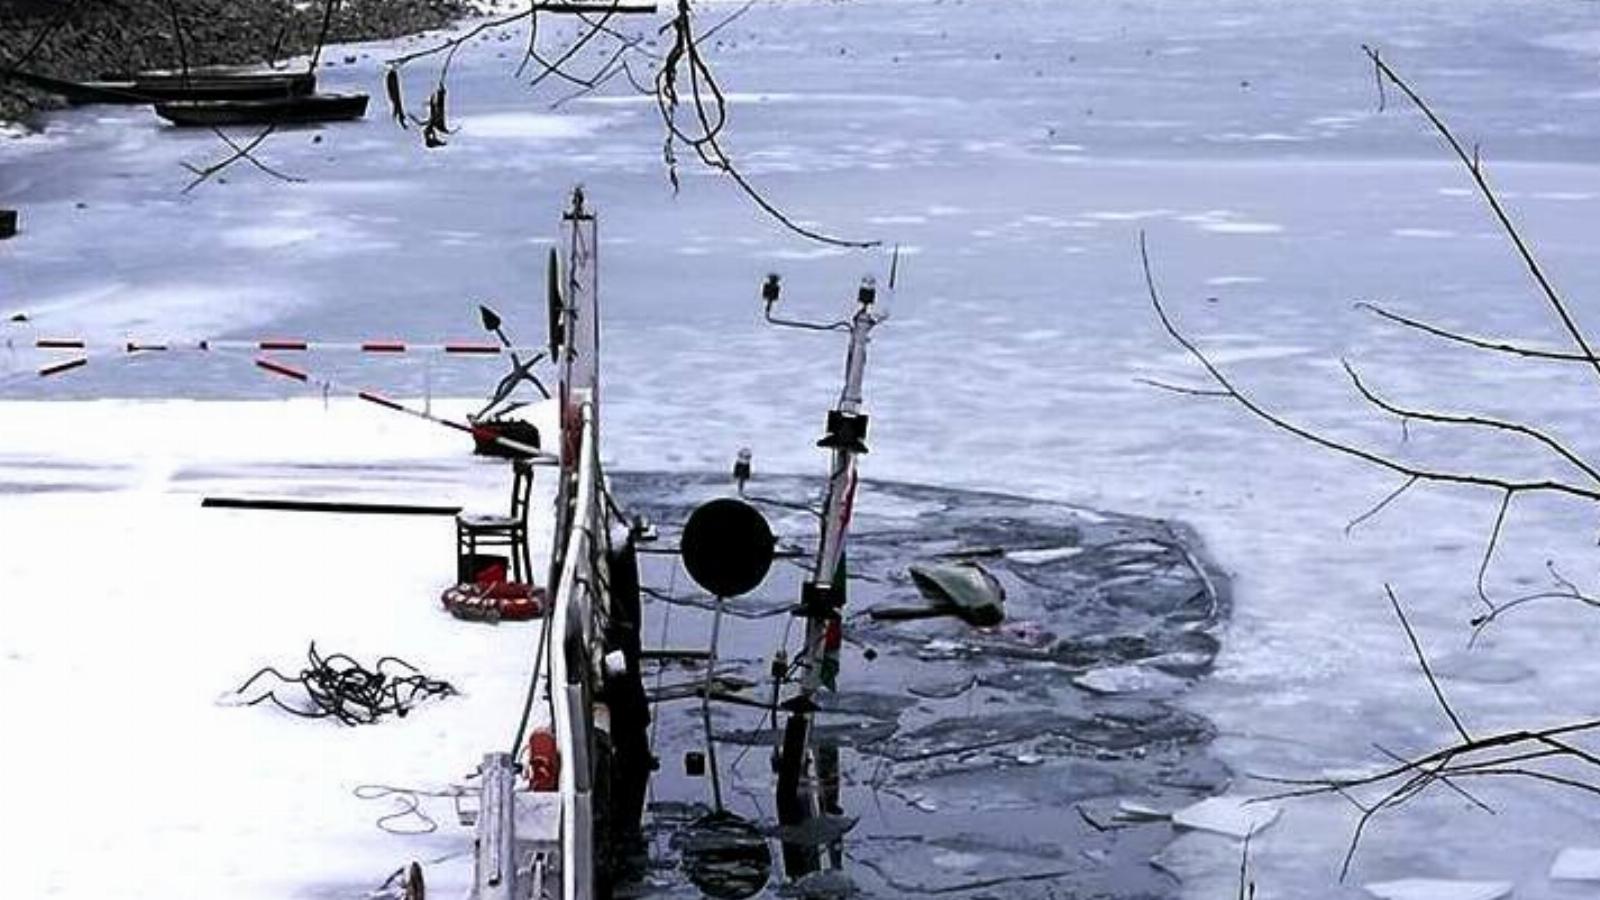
(329, 7)
(1475, 169)
(710, 107)
(683, 61)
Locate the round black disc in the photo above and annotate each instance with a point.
(727, 547)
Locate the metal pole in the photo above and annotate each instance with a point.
(705, 705)
(824, 594)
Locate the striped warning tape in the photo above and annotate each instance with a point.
(378, 348)
(458, 348)
(477, 431)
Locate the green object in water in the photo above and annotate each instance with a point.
(963, 589)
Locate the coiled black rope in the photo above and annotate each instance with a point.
(336, 686)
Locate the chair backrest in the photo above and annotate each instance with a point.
(521, 489)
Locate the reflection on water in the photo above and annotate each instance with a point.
(952, 758)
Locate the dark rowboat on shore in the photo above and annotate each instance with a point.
(175, 87)
(276, 111)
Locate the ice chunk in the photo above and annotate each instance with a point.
(1125, 679)
(1438, 889)
(1576, 864)
(955, 860)
(1042, 556)
(1135, 811)
(1233, 816)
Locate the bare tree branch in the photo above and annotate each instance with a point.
(206, 173)
(682, 62)
(1427, 671)
(1183, 389)
(1381, 505)
(1475, 169)
(1518, 428)
(1351, 450)
(1469, 340)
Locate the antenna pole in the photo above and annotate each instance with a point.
(577, 358)
(823, 596)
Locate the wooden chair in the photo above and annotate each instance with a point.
(475, 532)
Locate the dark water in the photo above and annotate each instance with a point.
(971, 762)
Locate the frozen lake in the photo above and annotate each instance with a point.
(1015, 156)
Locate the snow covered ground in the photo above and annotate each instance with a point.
(131, 615)
(1015, 155)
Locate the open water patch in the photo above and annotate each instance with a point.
(952, 760)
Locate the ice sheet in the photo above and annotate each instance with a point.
(960, 117)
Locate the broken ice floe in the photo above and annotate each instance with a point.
(1576, 864)
(1438, 889)
(1237, 817)
(1126, 679)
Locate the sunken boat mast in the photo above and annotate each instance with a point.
(801, 769)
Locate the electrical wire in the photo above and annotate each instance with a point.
(337, 686)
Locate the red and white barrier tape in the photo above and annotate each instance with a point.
(376, 348)
(453, 348)
(477, 431)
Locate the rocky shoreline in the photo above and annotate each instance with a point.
(93, 37)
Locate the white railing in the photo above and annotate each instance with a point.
(572, 619)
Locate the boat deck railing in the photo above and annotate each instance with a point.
(577, 602)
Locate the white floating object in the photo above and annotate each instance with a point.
(1233, 816)
(1046, 555)
(1576, 864)
(1125, 679)
(1438, 889)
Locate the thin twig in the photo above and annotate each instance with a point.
(1379, 507)
(1427, 671)
(202, 175)
(1497, 346)
(1527, 431)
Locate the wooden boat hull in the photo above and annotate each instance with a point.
(277, 111)
(158, 88)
